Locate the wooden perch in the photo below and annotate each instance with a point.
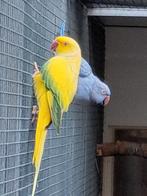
(122, 148)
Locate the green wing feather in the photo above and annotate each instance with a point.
(55, 106)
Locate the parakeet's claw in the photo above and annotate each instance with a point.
(34, 113)
(36, 69)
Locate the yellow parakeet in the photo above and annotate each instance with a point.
(55, 87)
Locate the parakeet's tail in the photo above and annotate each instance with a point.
(40, 138)
(42, 124)
(38, 158)
(44, 120)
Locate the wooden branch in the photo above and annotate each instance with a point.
(122, 148)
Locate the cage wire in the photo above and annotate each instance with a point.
(68, 167)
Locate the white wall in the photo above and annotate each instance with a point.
(126, 73)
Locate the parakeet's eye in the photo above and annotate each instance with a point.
(65, 43)
(103, 92)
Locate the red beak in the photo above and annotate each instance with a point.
(54, 45)
(106, 100)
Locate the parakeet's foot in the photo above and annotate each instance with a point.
(34, 113)
(35, 107)
(36, 69)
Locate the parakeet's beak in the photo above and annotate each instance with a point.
(54, 45)
(106, 100)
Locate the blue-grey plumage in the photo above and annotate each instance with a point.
(90, 87)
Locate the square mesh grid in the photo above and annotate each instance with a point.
(68, 167)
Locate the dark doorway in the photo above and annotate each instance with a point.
(130, 172)
(97, 61)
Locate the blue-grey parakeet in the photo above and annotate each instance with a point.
(90, 87)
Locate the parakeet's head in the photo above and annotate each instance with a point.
(64, 45)
(100, 92)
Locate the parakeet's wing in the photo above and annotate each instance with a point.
(85, 69)
(60, 79)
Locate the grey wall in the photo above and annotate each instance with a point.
(126, 73)
(68, 165)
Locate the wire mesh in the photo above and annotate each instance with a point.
(68, 167)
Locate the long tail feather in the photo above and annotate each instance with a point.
(44, 120)
(38, 159)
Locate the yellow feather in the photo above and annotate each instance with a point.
(44, 120)
(64, 74)
(63, 69)
(60, 77)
